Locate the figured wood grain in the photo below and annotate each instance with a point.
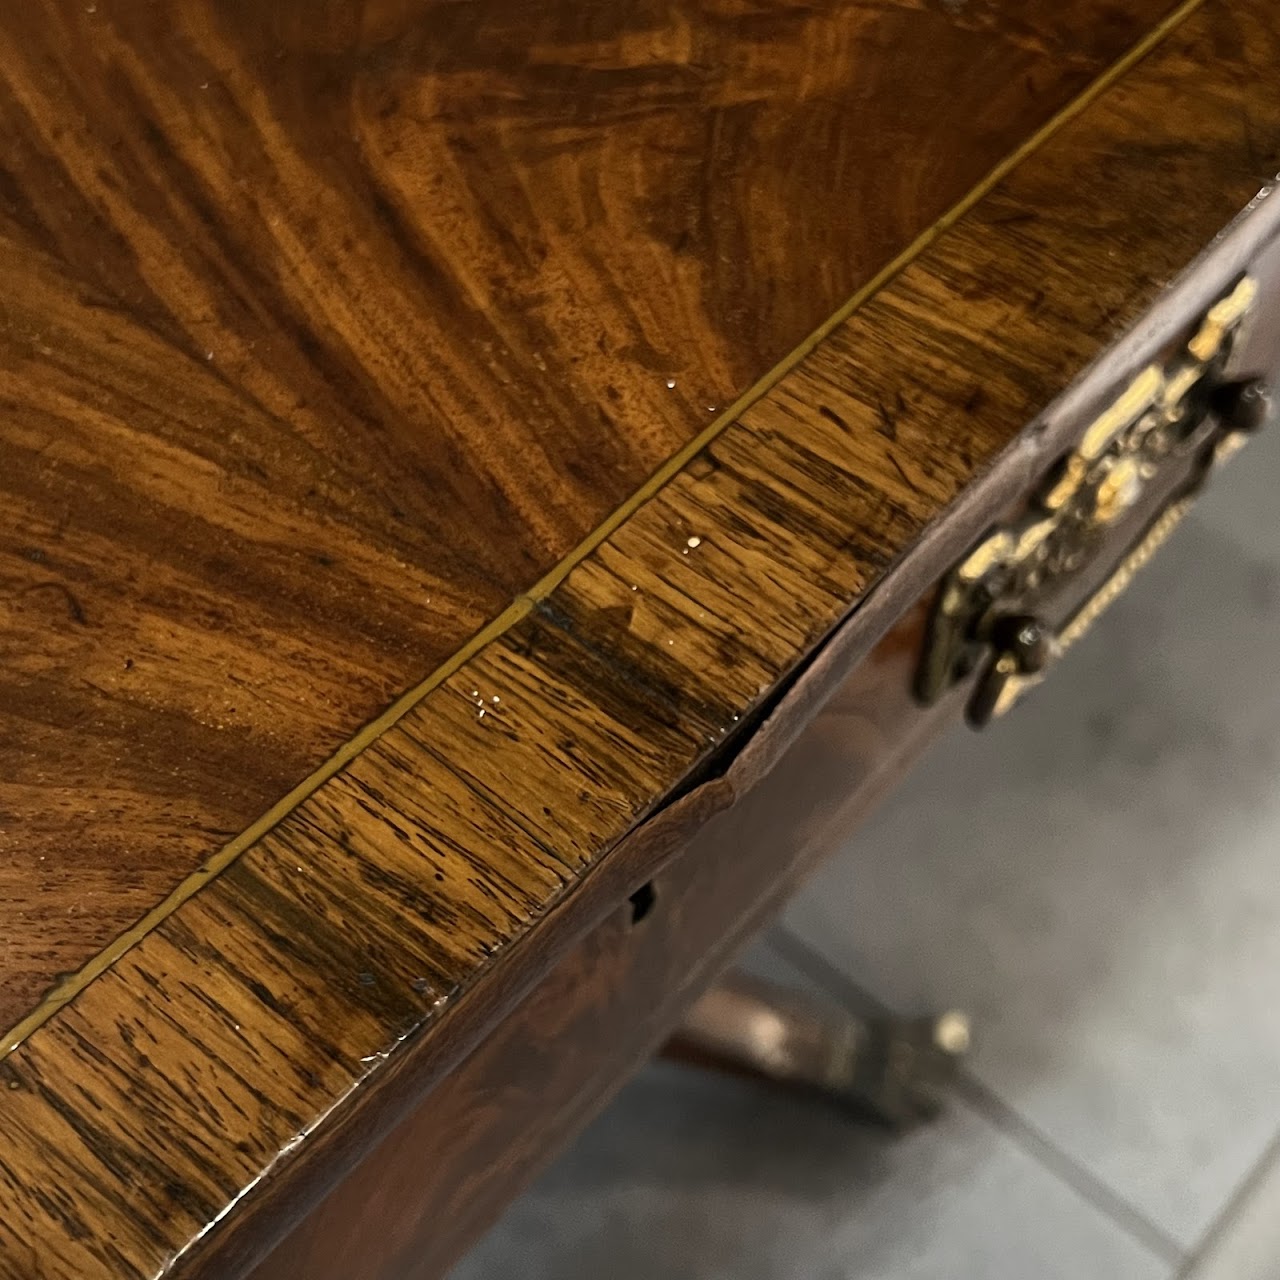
(326, 330)
(419, 1199)
(270, 1027)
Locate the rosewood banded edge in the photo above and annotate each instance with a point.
(380, 927)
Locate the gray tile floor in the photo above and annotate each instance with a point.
(1097, 880)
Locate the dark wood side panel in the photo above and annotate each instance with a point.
(272, 1027)
(325, 330)
(424, 1194)
(410, 1208)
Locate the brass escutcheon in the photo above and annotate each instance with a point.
(989, 612)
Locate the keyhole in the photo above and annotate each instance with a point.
(642, 902)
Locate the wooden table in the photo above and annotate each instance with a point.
(475, 481)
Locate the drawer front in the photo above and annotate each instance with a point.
(796, 787)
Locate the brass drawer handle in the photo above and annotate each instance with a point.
(990, 610)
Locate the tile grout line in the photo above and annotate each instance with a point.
(1266, 1165)
(1067, 1169)
(993, 1109)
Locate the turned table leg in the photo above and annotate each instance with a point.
(888, 1068)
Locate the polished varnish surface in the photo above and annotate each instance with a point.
(415, 1204)
(326, 329)
(221, 1072)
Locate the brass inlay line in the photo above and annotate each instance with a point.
(73, 984)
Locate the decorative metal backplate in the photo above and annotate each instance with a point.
(987, 612)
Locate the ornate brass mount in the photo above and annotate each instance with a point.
(989, 611)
